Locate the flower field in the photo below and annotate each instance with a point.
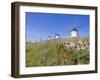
(57, 52)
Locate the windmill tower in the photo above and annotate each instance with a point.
(74, 33)
(49, 37)
(57, 36)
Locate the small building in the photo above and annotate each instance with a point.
(57, 36)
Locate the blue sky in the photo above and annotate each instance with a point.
(41, 25)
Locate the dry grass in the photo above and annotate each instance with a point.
(53, 53)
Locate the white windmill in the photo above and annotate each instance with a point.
(57, 36)
(75, 35)
(75, 32)
(49, 37)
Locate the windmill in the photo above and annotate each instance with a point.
(49, 37)
(75, 32)
(57, 36)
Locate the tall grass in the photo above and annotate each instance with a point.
(52, 53)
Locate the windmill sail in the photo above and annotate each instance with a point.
(74, 31)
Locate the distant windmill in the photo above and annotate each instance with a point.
(49, 37)
(74, 32)
(57, 36)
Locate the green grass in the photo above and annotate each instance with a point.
(51, 53)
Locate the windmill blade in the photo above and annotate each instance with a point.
(80, 26)
(69, 30)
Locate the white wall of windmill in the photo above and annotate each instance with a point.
(74, 33)
(57, 37)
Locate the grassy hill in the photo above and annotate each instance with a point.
(53, 53)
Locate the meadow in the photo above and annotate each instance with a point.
(54, 53)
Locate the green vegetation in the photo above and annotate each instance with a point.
(53, 53)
